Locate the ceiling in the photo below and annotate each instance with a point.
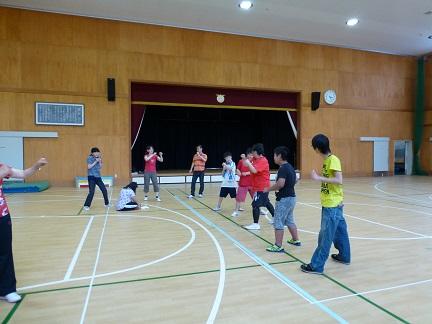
(390, 26)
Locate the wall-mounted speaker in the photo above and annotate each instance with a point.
(111, 89)
(315, 100)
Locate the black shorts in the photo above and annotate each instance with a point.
(260, 199)
(226, 190)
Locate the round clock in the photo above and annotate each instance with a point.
(330, 97)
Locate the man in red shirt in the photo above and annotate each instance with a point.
(197, 169)
(7, 270)
(260, 171)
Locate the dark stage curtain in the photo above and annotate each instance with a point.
(176, 131)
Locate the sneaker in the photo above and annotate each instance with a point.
(307, 268)
(86, 208)
(263, 212)
(337, 258)
(294, 242)
(11, 298)
(191, 196)
(241, 209)
(200, 195)
(158, 199)
(145, 207)
(253, 227)
(217, 209)
(145, 198)
(235, 214)
(108, 206)
(275, 248)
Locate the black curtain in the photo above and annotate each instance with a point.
(177, 130)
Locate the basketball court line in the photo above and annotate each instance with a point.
(371, 222)
(179, 275)
(84, 312)
(284, 279)
(378, 290)
(324, 275)
(78, 250)
(395, 195)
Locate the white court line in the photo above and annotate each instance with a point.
(376, 290)
(372, 222)
(192, 239)
(395, 195)
(222, 266)
(78, 250)
(84, 312)
(285, 280)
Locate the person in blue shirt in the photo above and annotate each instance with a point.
(94, 165)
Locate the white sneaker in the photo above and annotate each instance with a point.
(191, 196)
(200, 195)
(158, 199)
(12, 297)
(217, 209)
(235, 214)
(86, 208)
(145, 207)
(241, 209)
(253, 227)
(263, 212)
(108, 206)
(145, 198)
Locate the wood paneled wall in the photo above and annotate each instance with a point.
(56, 57)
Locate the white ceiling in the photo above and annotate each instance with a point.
(389, 26)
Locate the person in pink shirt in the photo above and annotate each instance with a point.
(150, 160)
(245, 182)
(7, 269)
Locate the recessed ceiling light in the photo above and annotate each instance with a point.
(246, 5)
(352, 22)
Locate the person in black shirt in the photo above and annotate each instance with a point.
(285, 200)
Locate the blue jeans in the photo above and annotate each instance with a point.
(333, 230)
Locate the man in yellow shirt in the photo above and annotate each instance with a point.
(333, 225)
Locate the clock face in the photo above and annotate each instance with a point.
(330, 97)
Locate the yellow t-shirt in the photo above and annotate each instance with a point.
(331, 194)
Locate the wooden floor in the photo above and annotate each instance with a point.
(180, 262)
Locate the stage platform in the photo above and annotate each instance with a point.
(183, 176)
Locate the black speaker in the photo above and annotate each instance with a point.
(315, 100)
(111, 89)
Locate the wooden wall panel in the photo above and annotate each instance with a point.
(66, 58)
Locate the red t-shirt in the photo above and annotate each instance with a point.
(245, 181)
(261, 179)
(150, 165)
(3, 205)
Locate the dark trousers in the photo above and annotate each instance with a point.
(7, 270)
(261, 199)
(195, 176)
(93, 181)
(130, 206)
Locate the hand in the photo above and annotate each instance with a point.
(266, 190)
(243, 156)
(160, 153)
(5, 171)
(223, 164)
(315, 176)
(190, 171)
(42, 162)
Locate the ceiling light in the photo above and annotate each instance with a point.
(352, 22)
(246, 5)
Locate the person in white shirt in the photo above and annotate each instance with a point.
(127, 199)
(229, 183)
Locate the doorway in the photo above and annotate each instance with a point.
(403, 157)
